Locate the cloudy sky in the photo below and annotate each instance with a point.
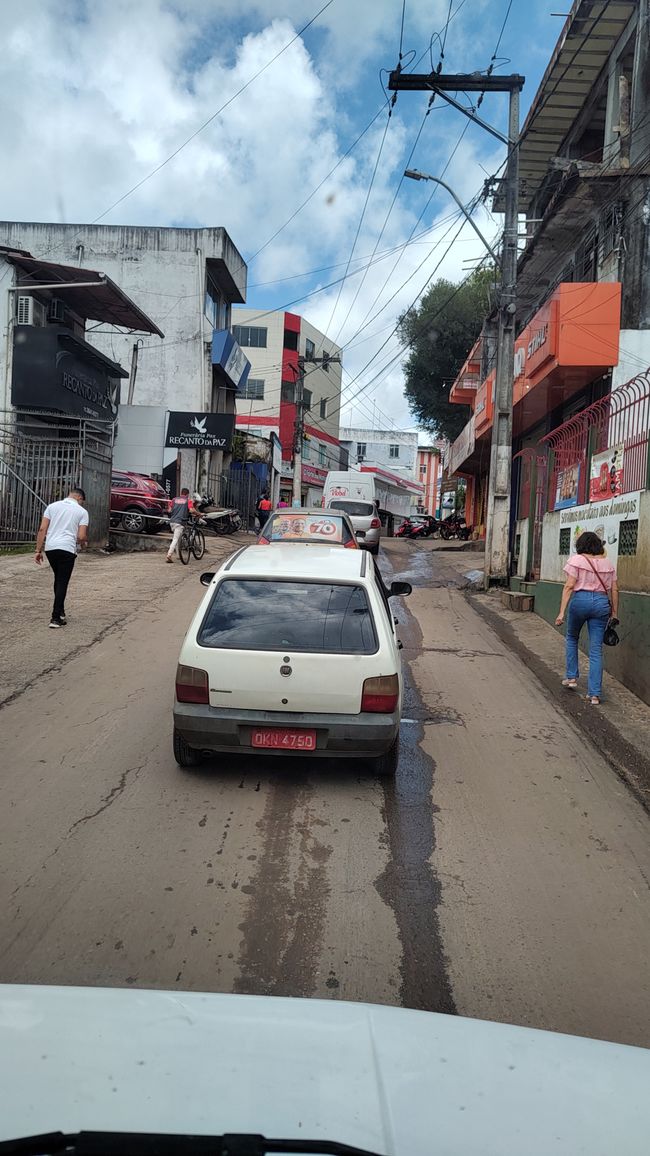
(96, 94)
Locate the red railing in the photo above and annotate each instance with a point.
(622, 417)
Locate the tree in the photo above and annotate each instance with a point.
(439, 333)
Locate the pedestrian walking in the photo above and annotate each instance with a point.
(263, 509)
(182, 509)
(591, 595)
(63, 528)
(282, 505)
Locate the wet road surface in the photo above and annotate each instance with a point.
(503, 874)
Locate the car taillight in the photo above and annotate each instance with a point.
(380, 695)
(192, 685)
(262, 541)
(375, 524)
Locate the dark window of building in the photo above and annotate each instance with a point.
(322, 455)
(250, 336)
(565, 541)
(323, 407)
(254, 389)
(610, 230)
(586, 259)
(362, 450)
(215, 306)
(310, 349)
(288, 391)
(290, 339)
(394, 451)
(306, 398)
(628, 538)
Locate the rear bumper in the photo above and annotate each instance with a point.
(337, 736)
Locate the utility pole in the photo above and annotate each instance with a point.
(497, 540)
(498, 506)
(299, 425)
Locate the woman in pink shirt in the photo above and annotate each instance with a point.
(591, 594)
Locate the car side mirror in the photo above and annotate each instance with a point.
(398, 589)
(206, 578)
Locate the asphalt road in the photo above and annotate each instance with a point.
(504, 874)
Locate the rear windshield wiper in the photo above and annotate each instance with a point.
(164, 1144)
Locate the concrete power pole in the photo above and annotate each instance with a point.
(299, 427)
(497, 538)
(498, 512)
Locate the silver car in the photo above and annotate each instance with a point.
(365, 521)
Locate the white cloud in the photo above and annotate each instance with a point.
(89, 106)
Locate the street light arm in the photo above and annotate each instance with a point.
(415, 175)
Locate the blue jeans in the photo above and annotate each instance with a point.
(587, 606)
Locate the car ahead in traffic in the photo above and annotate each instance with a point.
(327, 527)
(292, 651)
(365, 520)
(138, 504)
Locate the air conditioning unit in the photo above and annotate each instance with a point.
(57, 310)
(30, 312)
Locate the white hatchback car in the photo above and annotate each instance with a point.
(292, 651)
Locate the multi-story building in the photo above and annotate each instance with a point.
(394, 450)
(187, 280)
(429, 475)
(273, 343)
(581, 404)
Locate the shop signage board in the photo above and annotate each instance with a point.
(52, 369)
(606, 475)
(298, 528)
(603, 519)
(200, 431)
(568, 483)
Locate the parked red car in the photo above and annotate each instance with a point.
(138, 504)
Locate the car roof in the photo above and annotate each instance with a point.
(291, 560)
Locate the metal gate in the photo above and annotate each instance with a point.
(41, 459)
(240, 489)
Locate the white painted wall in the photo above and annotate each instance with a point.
(634, 356)
(163, 271)
(378, 443)
(6, 331)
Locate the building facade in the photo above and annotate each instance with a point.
(187, 280)
(273, 343)
(395, 450)
(429, 475)
(59, 394)
(581, 403)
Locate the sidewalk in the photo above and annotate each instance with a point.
(619, 727)
(105, 590)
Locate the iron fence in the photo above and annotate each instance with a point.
(239, 489)
(41, 460)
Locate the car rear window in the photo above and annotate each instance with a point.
(354, 509)
(314, 617)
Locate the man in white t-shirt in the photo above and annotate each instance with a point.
(64, 527)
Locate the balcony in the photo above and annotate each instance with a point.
(463, 390)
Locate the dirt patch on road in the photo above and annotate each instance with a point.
(104, 590)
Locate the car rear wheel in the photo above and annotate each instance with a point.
(185, 755)
(386, 765)
(133, 521)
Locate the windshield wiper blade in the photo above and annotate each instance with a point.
(165, 1144)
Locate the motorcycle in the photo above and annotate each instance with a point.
(215, 519)
(404, 530)
(455, 527)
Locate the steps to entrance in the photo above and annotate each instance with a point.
(518, 599)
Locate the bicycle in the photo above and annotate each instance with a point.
(192, 541)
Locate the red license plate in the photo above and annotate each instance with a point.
(280, 739)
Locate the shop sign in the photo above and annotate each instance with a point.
(603, 519)
(313, 476)
(462, 448)
(229, 357)
(297, 528)
(53, 370)
(200, 431)
(606, 475)
(568, 483)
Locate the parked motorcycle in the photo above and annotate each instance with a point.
(215, 519)
(455, 527)
(404, 530)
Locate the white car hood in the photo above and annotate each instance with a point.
(386, 1079)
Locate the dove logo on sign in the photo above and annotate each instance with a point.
(200, 431)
